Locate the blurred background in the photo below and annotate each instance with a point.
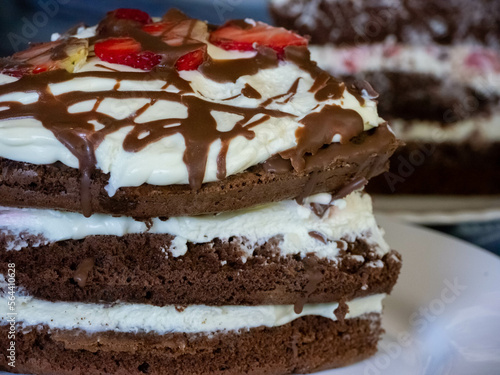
(27, 21)
(24, 21)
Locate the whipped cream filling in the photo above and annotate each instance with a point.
(345, 220)
(485, 129)
(135, 318)
(161, 162)
(475, 66)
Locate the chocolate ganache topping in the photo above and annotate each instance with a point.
(79, 134)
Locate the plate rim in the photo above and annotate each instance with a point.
(397, 207)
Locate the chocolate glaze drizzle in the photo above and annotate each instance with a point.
(288, 95)
(341, 311)
(308, 188)
(314, 278)
(199, 129)
(230, 70)
(325, 86)
(250, 92)
(73, 130)
(82, 272)
(276, 164)
(319, 129)
(319, 209)
(318, 236)
(356, 183)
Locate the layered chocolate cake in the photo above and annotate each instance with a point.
(180, 198)
(437, 66)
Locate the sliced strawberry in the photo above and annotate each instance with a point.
(14, 68)
(116, 47)
(183, 31)
(42, 57)
(131, 14)
(157, 28)
(243, 36)
(126, 51)
(191, 61)
(41, 69)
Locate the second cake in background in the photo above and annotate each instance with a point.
(437, 67)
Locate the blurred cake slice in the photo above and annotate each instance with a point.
(437, 67)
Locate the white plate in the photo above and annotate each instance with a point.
(443, 316)
(438, 209)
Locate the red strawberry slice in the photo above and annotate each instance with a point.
(191, 61)
(113, 48)
(126, 51)
(14, 68)
(242, 36)
(157, 28)
(42, 57)
(131, 14)
(183, 31)
(38, 56)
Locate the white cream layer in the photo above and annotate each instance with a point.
(347, 219)
(134, 318)
(485, 129)
(475, 66)
(161, 163)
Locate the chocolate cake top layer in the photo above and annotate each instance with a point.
(173, 101)
(346, 22)
(337, 168)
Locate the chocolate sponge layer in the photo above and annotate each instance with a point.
(331, 169)
(308, 344)
(140, 268)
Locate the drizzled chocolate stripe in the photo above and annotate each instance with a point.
(288, 95)
(75, 131)
(199, 130)
(250, 92)
(320, 128)
(325, 86)
(230, 70)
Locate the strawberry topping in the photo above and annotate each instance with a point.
(175, 33)
(126, 51)
(191, 61)
(182, 32)
(14, 68)
(44, 57)
(175, 30)
(132, 14)
(242, 36)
